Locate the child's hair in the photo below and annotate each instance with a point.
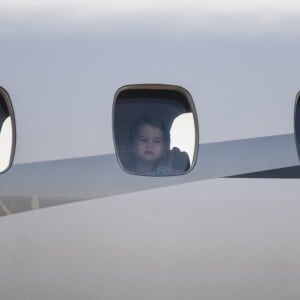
(138, 123)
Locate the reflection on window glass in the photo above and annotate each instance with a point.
(6, 131)
(154, 130)
(183, 134)
(5, 144)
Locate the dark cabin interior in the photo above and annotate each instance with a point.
(132, 104)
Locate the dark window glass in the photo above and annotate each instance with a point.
(155, 130)
(297, 123)
(7, 131)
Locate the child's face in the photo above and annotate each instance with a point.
(149, 144)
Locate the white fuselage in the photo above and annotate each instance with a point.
(135, 237)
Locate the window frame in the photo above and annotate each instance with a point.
(7, 101)
(296, 133)
(163, 87)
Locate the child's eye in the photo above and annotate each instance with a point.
(157, 141)
(143, 140)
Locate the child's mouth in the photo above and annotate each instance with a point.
(148, 152)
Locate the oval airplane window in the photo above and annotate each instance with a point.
(155, 130)
(7, 131)
(297, 123)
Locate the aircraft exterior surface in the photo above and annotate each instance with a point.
(77, 224)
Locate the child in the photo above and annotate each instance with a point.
(148, 148)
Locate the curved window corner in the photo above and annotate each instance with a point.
(155, 130)
(7, 131)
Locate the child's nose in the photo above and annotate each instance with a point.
(149, 143)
